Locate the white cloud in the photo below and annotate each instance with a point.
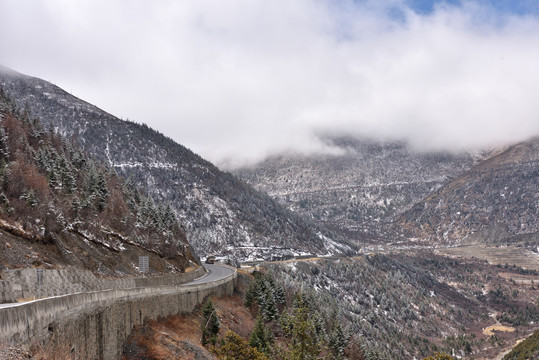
(236, 80)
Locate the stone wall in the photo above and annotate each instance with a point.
(96, 325)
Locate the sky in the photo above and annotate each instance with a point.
(239, 80)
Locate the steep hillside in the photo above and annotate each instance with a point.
(496, 201)
(220, 213)
(356, 192)
(528, 349)
(60, 207)
(411, 305)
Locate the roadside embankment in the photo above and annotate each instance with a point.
(95, 325)
(23, 283)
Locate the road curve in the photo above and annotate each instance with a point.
(214, 273)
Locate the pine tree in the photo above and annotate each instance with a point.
(90, 185)
(299, 327)
(234, 347)
(30, 197)
(4, 151)
(261, 336)
(42, 159)
(210, 325)
(280, 297)
(101, 192)
(52, 176)
(372, 354)
(269, 310)
(338, 340)
(69, 181)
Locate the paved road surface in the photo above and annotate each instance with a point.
(216, 272)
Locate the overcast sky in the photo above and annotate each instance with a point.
(236, 80)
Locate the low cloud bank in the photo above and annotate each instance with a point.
(239, 80)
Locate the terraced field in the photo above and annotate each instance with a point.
(510, 255)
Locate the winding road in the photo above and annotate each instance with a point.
(214, 273)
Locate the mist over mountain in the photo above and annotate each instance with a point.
(271, 75)
(385, 192)
(496, 201)
(220, 213)
(360, 191)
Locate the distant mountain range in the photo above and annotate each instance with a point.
(496, 201)
(375, 192)
(385, 192)
(220, 213)
(360, 191)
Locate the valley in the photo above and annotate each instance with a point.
(460, 296)
(410, 252)
(360, 191)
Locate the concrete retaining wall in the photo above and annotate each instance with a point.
(96, 325)
(6, 292)
(23, 282)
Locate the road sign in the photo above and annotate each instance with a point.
(144, 264)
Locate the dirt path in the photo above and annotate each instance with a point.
(508, 349)
(490, 330)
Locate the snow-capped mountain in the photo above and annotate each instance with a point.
(220, 213)
(496, 201)
(359, 191)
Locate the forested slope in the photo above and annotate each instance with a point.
(221, 214)
(58, 206)
(496, 201)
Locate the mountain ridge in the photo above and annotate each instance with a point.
(220, 213)
(495, 201)
(360, 191)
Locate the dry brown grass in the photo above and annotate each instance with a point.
(178, 337)
(491, 330)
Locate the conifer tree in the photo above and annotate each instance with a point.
(298, 325)
(261, 337)
(234, 347)
(338, 340)
(269, 310)
(4, 151)
(102, 191)
(210, 325)
(31, 198)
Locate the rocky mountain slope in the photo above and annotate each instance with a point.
(496, 201)
(356, 193)
(409, 305)
(221, 214)
(59, 207)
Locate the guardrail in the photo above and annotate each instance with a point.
(23, 283)
(30, 322)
